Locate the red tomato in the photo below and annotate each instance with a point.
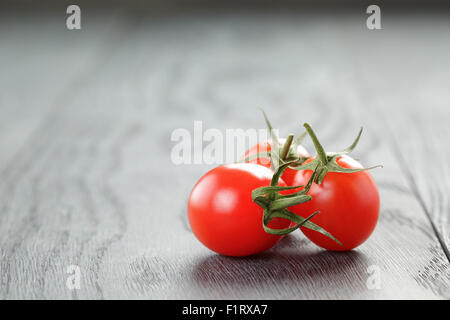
(223, 215)
(288, 174)
(348, 203)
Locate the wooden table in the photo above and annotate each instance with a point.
(86, 177)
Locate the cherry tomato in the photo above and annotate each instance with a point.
(349, 204)
(288, 174)
(222, 214)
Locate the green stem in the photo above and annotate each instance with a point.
(320, 151)
(276, 176)
(286, 147)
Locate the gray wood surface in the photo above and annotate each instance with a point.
(85, 171)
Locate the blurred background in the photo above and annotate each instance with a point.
(86, 118)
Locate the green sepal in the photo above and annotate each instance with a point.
(326, 162)
(265, 154)
(288, 202)
(275, 204)
(353, 145)
(313, 226)
(275, 146)
(281, 153)
(265, 190)
(280, 232)
(298, 141)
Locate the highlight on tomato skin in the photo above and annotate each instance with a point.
(349, 206)
(222, 214)
(266, 146)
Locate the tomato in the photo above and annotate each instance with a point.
(349, 204)
(222, 214)
(288, 174)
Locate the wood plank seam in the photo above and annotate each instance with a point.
(415, 191)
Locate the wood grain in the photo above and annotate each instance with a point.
(88, 179)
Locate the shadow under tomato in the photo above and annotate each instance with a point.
(293, 264)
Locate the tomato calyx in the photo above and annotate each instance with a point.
(275, 204)
(280, 153)
(326, 162)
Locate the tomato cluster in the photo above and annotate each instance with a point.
(245, 208)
